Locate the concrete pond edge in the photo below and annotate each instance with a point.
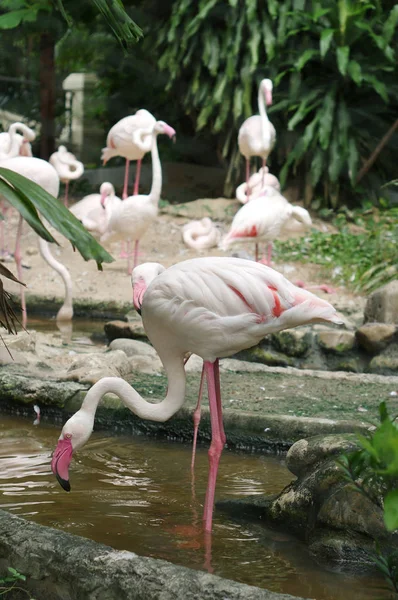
(63, 566)
(59, 399)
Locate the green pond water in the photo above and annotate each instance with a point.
(136, 494)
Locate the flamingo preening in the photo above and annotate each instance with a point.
(67, 167)
(257, 135)
(213, 307)
(263, 219)
(200, 235)
(91, 210)
(130, 138)
(254, 187)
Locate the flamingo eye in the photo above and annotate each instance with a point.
(68, 436)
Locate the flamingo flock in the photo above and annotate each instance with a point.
(214, 306)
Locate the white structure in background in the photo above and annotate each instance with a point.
(81, 132)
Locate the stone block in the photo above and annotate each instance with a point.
(336, 342)
(375, 337)
(292, 342)
(382, 305)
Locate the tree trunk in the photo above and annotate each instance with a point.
(47, 95)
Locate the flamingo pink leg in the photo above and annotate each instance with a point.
(247, 179)
(129, 254)
(137, 177)
(18, 262)
(196, 420)
(217, 436)
(218, 398)
(66, 194)
(256, 255)
(126, 180)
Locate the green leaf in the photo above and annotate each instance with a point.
(325, 41)
(379, 87)
(390, 25)
(24, 206)
(353, 160)
(343, 54)
(327, 119)
(14, 18)
(124, 28)
(305, 57)
(355, 71)
(317, 165)
(391, 510)
(55, 213)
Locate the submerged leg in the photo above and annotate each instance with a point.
(137, 177)
(196, 419)
(216, 445)
(18, 262)
(126, 180)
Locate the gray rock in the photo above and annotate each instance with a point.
(90, 368)
(52, 559)
(382, 305)
(375, 337)
(385, 363)
(121, 329)
(335, 341)
(133, 347)
(292, 342)
(267, 357)
(304, 454)
(151, 365)
(11, 357)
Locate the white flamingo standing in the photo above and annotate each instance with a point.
(14, 142)
(247, 191)
(129, 220)
(90, 210)
(200, 235)
(257, 135)
(125, 139)
(214, 307)
(42, 173)
(262, 220)
(67, 167)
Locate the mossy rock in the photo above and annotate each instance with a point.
(292, 342)
(268, 357)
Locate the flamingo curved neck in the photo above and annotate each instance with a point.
(13, 148)
(133, 401)
(67, 307)
(156, 188)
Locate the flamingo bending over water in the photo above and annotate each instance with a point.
(213, 307)
(257, 135)
(128, 138)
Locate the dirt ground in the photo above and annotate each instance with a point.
(162, 243)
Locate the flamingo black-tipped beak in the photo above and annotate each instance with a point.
(60, 463)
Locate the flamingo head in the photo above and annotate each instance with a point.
(266, 86)
(162, 127)
(142, 276)
(106, 190)
(74, 435)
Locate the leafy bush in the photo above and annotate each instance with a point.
(363, 260)
(373, 472)
(334, 68)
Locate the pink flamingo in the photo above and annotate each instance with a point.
(67, 167)
(214, 307)
(257, 135)
(130, 219)
(129, 138)
(254, 187)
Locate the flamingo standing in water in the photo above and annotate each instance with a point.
(126, 139)
(213, 307)
(129, 220)
(262, 220)
(257, 135)
(67, 167)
